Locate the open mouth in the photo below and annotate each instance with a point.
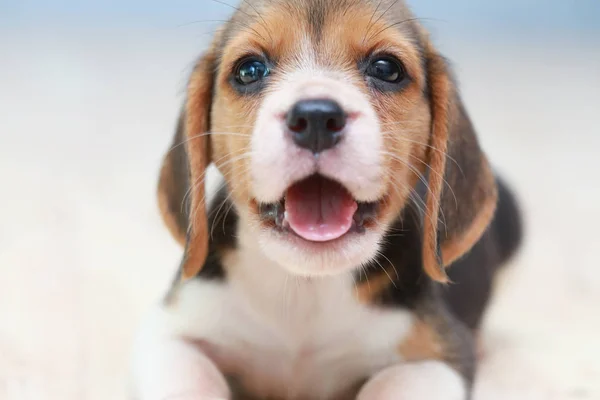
(318, 209)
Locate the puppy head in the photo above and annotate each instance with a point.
(324, 117)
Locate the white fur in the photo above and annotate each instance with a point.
(281, 334)
(356, 162)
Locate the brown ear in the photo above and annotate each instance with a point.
(181, 188)
(197, 126)
(173, 186)
(462, 193)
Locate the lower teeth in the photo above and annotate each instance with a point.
(281, 219)
(284, 220)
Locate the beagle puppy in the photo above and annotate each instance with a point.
(353, 246)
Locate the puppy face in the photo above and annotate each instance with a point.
(323, 117)
(330, 107)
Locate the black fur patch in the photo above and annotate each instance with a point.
(473, 274)
(402, 249)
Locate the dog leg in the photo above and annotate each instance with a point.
(427, 380)
(170, 368)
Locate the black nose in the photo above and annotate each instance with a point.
(316, 124)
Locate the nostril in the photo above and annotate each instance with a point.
(299, 125)
(335, 124)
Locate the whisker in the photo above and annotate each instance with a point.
(397, 186)
(419, 176)
(203, 177)
(441, 177)
(245, 155)
(408, 165)
(438, 174)
(393, 25)
(216, 214)
(422, 178)
(264, 23)
(385, 12)
(412, 195)
(369, 26)
(226, 214)
(227, 198)
(233, 160)
(391, 263)
(363, 268)
(206, 134)
(385, 271)
(243, 12)
(388, 133)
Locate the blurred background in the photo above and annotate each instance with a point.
(89, 94)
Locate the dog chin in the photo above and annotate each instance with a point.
(315, 259)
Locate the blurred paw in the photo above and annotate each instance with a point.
(427, 380)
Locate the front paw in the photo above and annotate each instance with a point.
(174, 369)
(427, 380)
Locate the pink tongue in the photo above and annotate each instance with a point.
(319, 209)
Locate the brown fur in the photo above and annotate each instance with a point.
(172, 186)
(368, 290)
(454, 248)
(422, 343)
(198, 150)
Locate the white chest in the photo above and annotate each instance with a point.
(286, 336)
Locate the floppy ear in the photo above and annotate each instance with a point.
(462, 194)
(197, 122)
(183, 171)
(173, 185)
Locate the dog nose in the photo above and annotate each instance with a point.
(317, 124)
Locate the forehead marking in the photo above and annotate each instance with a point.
(307, 56)
(315, 15)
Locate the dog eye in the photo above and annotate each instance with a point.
(386, 69)
(251, 71)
